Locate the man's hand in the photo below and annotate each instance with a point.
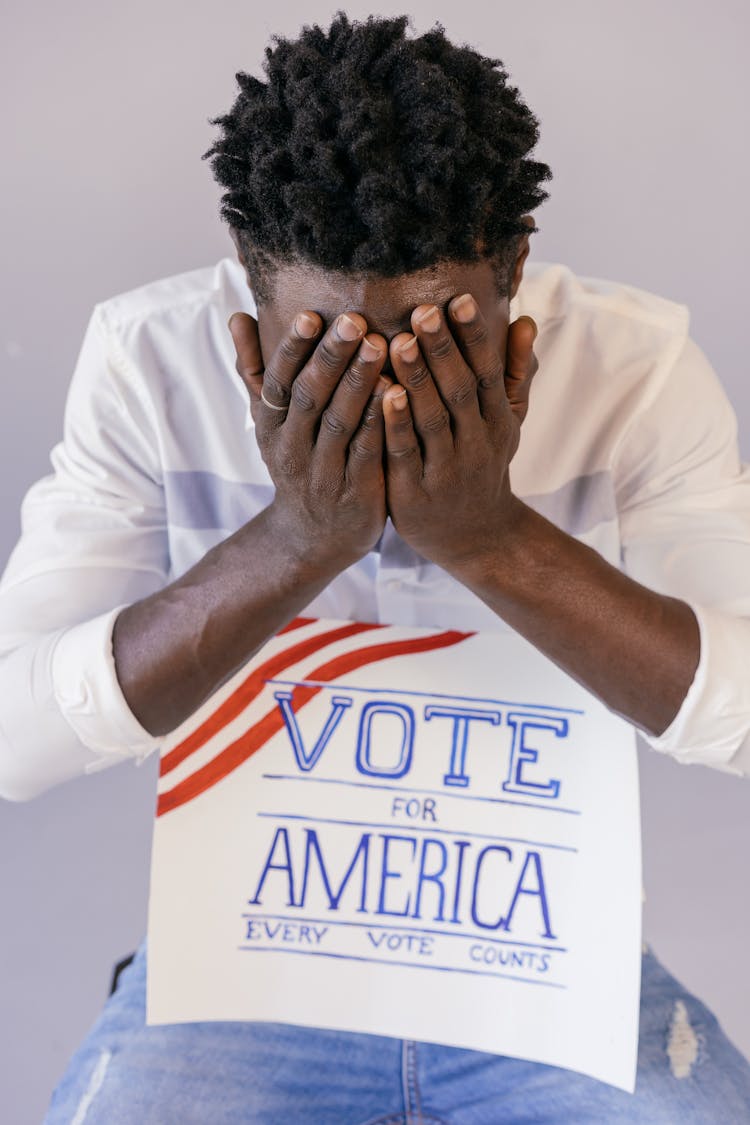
(319, 426)
(320, 429)
(452, 427)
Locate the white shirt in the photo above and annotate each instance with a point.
(629, 445)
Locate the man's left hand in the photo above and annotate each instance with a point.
(452, 426)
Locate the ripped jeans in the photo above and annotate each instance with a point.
(215, 1073)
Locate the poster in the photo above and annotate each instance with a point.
(420, 833)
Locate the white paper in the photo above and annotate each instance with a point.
(440, 844)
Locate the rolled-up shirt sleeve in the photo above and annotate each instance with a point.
(684, 510)
(93, 539)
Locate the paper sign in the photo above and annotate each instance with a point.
(425, 834)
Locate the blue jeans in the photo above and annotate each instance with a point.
(213, 1073)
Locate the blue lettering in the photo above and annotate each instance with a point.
(462, 845)
(432, 877)
(532, 859)
(306, 760)
(282, 837)
(334, 898)
(364, 739)
(402, 942)
(521, 753)
(475, 889)
(386, 874)
(300, 933)
(461, 716)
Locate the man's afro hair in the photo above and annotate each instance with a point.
(367, 151)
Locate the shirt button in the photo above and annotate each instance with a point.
(393, 584)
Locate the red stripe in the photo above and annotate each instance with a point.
(244, 747)
(296, 623)
(243, 695)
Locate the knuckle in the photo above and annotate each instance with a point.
(333, 423)
(437, 422)
(246, 370)
(287, 463)
(417, 378)
(463, 393)
(370, 418)
(289, 350)
(355, 378)
(273, 388)
(327, 358)
(405, 453)
(325, 487)
(489, 378)
(302, 397)
(475, 334)
(266, 452)
(363, 450)
(442, 348)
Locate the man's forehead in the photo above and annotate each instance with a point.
(385, 302)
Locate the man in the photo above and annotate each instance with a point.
(375, 456)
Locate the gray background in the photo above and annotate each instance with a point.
(643, 111)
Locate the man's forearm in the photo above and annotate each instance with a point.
(633, 648)
(175, 648)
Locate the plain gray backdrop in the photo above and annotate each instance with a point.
(643, 109)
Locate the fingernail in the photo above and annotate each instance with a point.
(430, 320)
(398, 401)
(348, 329)
(464, 308)
(381, 386)
(409, 350)
(305, 326)
(369, 351)
(229, 322)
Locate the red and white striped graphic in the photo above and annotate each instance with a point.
(241, 718)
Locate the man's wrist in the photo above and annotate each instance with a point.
(288, 559)
(502, 553)
(303, 557)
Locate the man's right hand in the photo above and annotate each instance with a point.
(318, 407)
